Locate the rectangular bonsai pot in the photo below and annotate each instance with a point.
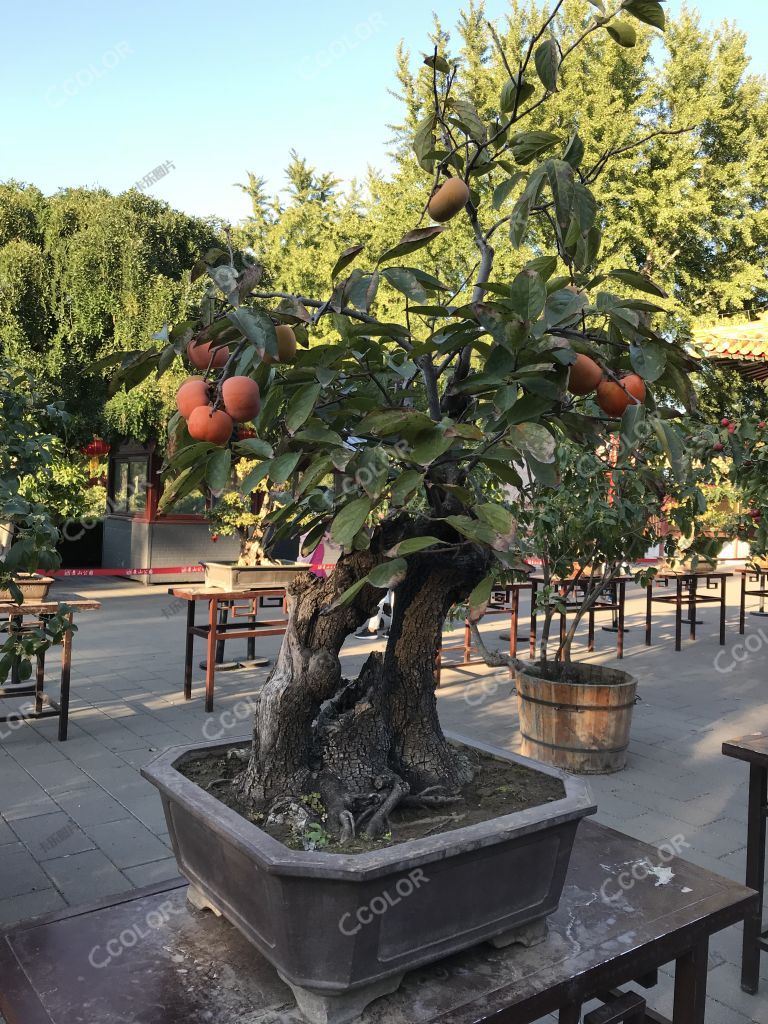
(332, 922)
(231, 576)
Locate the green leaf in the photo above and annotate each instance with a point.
(563, 308)
(257, 327)
(300, 406)
(546, 473)
(649, 359)
(561, 182)
(282, 467)
(414, 544)
(345, 259)
(574, 151)
(349, 520)
(405, 486)
(438, 63)
(179, 487)
(672, 444)
(497, 517)
(219, 469)
(515, 92)
(430, 446)
(390, 422)
(526, 146)
(424, 143)
(320, 467)
(406, 282)
(256, 475)
(622, 32)
(388, 574)
(479, 598)
(545, 266)
(648, 11)
(584, 206)
(412, 241)
(535, 440)
(547, 61)
(253, 447)
(467, 118)
(638, 281)
(472, 529)
(347, 596)
(527, 295)
(501, 192)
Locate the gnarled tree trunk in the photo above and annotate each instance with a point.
(368, 744)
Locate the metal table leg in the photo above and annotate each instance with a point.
(189, 651)
(621, 596)
(679, 615)
(743, 604)
(723, 592)
(758, 798)
(691, 985)
(210, 667)
(66, 671)
(648, 613)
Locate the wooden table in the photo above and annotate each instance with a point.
(217, 629)
(688, 594)
(504, 598)
(754, 750)
(42, 612)
(760, 577)
(149, 958)
(614, 601)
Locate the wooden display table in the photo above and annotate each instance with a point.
(504, 598)
(687, 593)
(217, 628)
(758, 576)
(754, 750)
(150, 958)
(42, 612)
(613, 600)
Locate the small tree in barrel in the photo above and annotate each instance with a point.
(406, 439)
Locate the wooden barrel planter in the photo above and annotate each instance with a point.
(576, 717)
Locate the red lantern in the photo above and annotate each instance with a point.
(95, 450)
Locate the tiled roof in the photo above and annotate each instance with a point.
(735, 341)
(738, 345)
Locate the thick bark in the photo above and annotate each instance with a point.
(368, 744)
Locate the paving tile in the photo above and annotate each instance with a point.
(20, 872)
(86, 877)
(51, 835)
(90, 806)
(156, 871)
(7, 835)
(60, 777)
(127, 842)
(29, 905)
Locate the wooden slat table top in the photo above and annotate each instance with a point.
(46, 607)
(699, 574)
(203, 593)
(194, 966)
(752, 747)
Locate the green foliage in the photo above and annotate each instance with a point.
(84, 274)
(28, 450)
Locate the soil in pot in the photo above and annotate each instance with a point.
(498, 788)
(576, 716)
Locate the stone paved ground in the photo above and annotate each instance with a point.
(77, 821)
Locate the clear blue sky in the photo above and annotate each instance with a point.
(100, 94)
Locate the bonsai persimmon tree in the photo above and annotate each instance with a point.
(404, 438)
(612, 505)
